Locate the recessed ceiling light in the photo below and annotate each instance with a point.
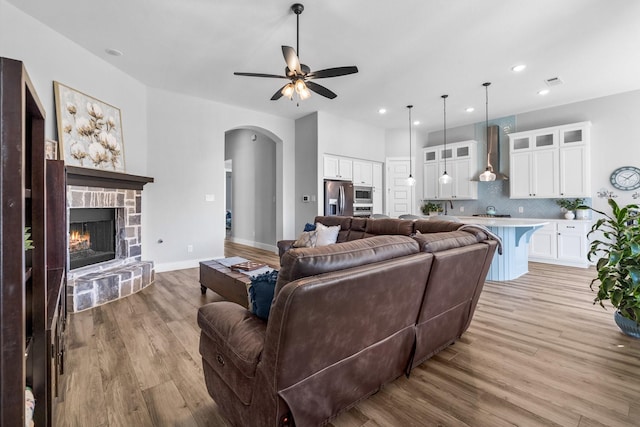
(417, 122)
(382, 110)
(518, 68)
(543, 92)
(470, 109)
(114, 52)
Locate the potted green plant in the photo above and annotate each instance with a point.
(570, 206)
(617, 250)
(431, 208)
(28, 243)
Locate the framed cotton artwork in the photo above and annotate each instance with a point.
(89, 130)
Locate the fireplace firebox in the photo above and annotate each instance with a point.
(92, 236)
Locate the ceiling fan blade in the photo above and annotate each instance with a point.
(320, 90)
(275, 76)
(278, 94)
(291, 58)
(332, 72)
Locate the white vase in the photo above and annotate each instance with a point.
(582, 213)
(569, 215)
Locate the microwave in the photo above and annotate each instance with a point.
(362, 194)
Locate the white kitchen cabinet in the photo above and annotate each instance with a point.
(550, 163)
(534, 174)
(575, 160)
(378, 188)
(561, 242)
(363, 173)
(544, 243)
(337, 168)
(462, 162)
(572, 242)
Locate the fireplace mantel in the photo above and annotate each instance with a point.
(106, 179)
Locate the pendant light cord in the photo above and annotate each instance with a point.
(444, 102)
(410, 154)
(486, 109)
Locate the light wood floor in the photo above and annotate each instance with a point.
(538, 353)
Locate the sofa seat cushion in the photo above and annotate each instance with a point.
(436, 242)
(305, 262)
(231, 343)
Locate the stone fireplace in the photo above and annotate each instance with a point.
(105, 231)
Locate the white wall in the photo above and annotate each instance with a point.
(307, 172)
(176, 139)
(186, 158)
(49, 56)
(345, 137)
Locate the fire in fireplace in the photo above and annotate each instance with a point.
(92, 236)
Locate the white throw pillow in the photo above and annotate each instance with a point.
(326, 235)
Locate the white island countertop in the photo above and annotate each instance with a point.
(503, 222)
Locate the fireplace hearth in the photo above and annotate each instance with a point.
(105, 233)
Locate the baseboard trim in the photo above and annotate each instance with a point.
(253, 244)
(180, 265)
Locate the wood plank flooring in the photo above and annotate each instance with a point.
(538, 353)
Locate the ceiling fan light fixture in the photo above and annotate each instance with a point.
(300, 86)
(300, 75)
(305, 94)
(288, 90)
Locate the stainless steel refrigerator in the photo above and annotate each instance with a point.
(338, 198)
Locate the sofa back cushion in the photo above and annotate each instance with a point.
(456, 278)
(390, 226)
(304, 262)
(435, 226)
(330, 221)
(441, 241)
(335, 338)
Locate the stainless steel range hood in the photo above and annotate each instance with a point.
(493, 155)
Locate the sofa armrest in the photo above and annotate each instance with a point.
(284, 246)
(234, 330)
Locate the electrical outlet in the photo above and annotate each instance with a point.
(189, 248)
(461, 208)
(520, 209)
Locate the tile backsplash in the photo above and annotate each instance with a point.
(496, 194)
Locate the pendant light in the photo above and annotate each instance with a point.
(411, 181)
(488, 174)
(445, 179)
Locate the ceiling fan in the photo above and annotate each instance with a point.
(300, 75)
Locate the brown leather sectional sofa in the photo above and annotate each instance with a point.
(345, 319)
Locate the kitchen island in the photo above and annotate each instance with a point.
(515, 234)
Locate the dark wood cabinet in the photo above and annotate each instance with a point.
(32, 194)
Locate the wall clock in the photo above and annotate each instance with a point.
(626, 178)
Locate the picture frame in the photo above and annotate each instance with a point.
(51, 149)
(89, 130)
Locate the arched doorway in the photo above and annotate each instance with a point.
(254, 180)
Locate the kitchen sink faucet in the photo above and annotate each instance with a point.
(450, 203)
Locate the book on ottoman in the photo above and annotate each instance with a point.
(247, 266)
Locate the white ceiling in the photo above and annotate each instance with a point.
(407, 51)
